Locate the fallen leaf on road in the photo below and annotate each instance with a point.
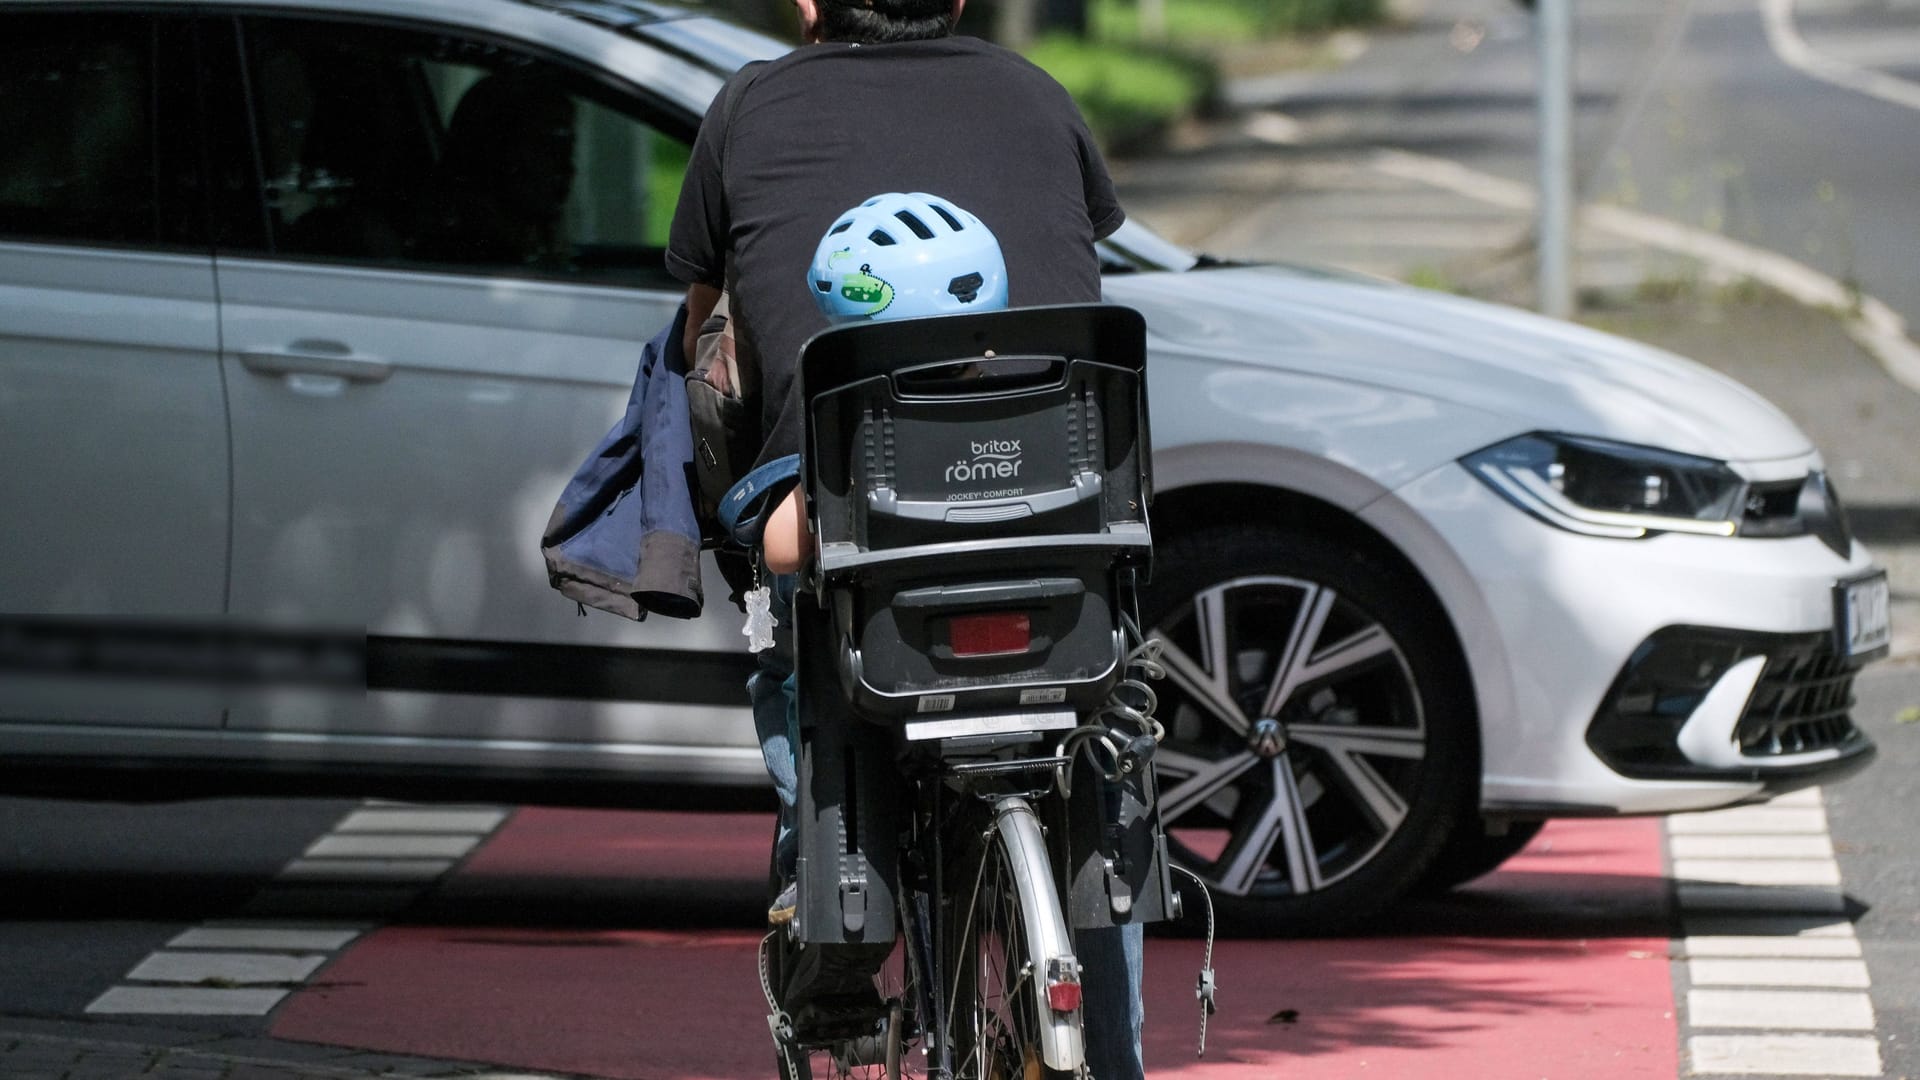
(1284, 1016)
(1908, 715)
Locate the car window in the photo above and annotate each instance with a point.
(78, 154)
(399, 147)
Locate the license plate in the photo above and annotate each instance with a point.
(1861, 624)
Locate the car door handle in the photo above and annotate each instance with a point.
(315, 356)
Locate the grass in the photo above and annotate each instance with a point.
(1432, 277)
(1130, 88)
(1223, 22)
(1127, 92)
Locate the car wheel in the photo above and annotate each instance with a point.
(1318, 743)
(1470, 853)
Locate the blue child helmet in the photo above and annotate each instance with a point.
(901, 256)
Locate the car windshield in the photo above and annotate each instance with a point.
(725, 47)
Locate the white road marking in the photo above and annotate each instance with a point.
(1784, 927)
(1751, 847)
(186, 1001)
(365, 869)
(392, 846)
(1786, 944)
(1792, 49)
(377, 860)
(1763, 955)
(421, 821)
(1782, 1010)
(1811, 899)
(225, 967)
(263, 938)
(1777, 971)
(1759, 871)
(1752, 819)
(1785, 1055)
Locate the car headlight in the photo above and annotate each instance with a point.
(1603, 488)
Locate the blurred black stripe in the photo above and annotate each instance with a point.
(447, 666)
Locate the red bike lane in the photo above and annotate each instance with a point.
(622, 945)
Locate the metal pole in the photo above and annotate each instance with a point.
(1554, 227)
(1153, 20)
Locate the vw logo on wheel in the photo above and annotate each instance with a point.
(1267, 738)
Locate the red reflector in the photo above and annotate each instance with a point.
(1064, 996)
(987, 635)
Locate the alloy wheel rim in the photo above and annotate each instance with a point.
(1295, 736)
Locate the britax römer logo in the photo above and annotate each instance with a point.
(994, 459)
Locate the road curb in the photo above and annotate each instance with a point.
(1871, 323)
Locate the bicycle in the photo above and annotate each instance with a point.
(993, 756)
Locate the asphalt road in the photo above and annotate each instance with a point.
(621, 945)
(1683, 109)
(1871, 819)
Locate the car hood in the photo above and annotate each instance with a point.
(1543, 374)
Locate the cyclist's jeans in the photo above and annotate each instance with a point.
(1110, 962)
(776, 718)
(1110, 959)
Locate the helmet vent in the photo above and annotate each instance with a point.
(840, 228)
(952, 221)
(823, 286)
(919, 227)
(881, 238)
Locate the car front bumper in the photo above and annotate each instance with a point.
(1644, 676)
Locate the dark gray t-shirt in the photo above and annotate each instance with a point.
(826, 127)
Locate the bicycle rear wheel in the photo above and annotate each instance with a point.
(1010, 944)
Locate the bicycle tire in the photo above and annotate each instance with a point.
(1009, 930)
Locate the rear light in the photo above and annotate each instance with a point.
(1063, 984)
(1063, 997)
(995, 634)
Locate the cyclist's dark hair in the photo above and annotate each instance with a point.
(882, 22)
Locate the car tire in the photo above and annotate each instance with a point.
(1470, 853)
(1319, 746)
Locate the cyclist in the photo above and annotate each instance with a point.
(883, 96)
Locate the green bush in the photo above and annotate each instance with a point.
(1222, 21)
(1127, 93)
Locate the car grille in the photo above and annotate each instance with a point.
(1800, 704)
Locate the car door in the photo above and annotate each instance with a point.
(461, 261)
(113, 437)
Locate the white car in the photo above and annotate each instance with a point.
(294, 361)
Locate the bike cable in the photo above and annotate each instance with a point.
(1204, 986)
(1123, 734)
